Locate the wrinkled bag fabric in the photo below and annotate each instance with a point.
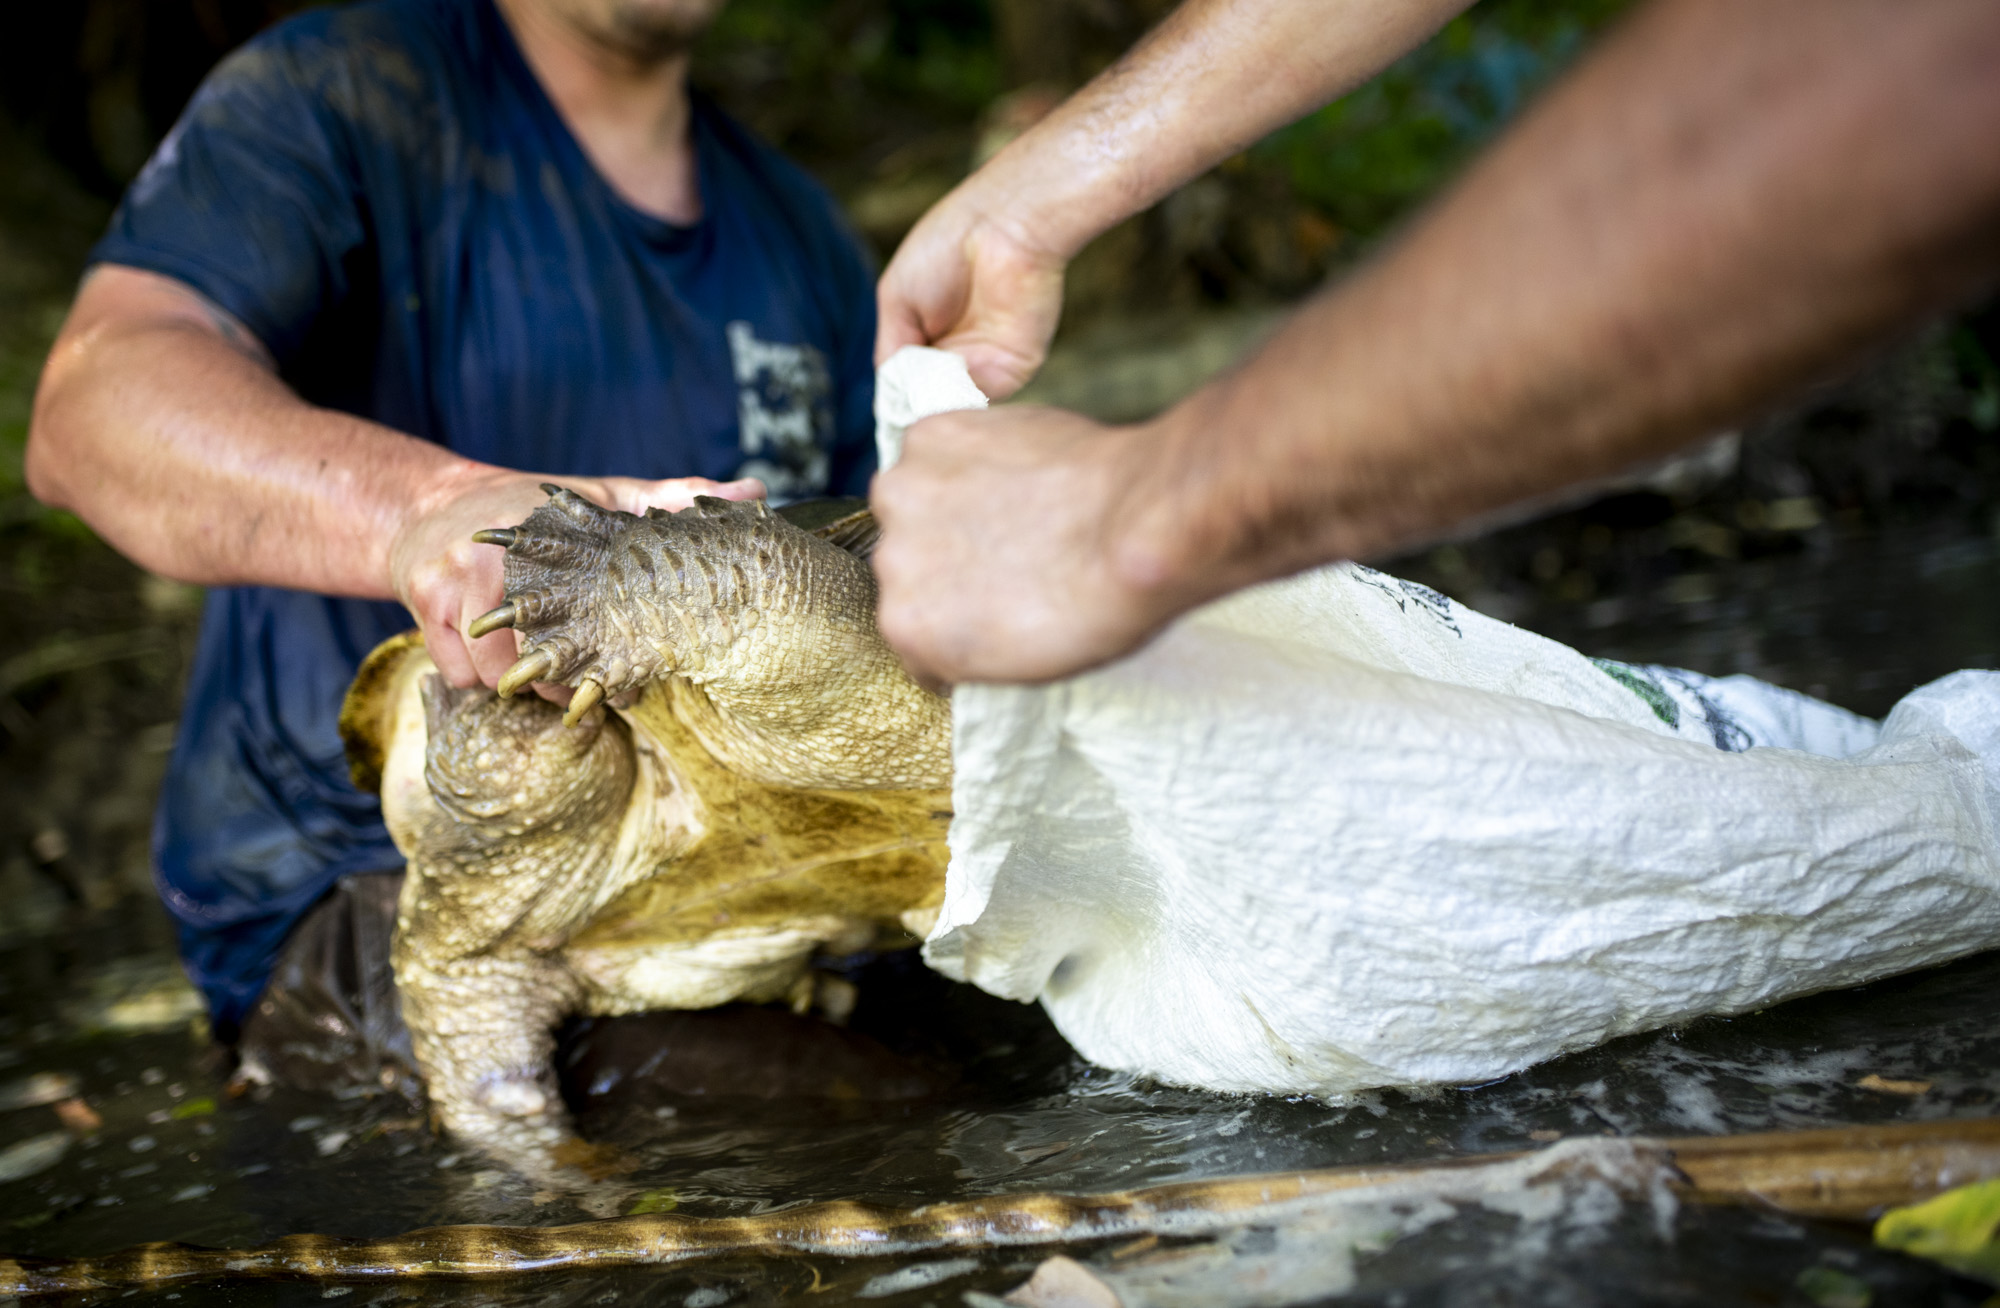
(1339, 832)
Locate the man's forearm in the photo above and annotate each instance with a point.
(1213, 78)
(982, 273)
(1724, 202)
(161, 423)
(178, 444)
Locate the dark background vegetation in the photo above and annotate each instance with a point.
(1843, 545)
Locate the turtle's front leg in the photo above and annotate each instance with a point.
(773, 625)
(510, 845)
(607, 601)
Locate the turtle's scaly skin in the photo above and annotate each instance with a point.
(773, 786)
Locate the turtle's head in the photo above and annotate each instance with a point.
(508, 767)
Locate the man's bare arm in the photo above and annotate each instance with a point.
(1724, 201)
(161, 422)
(982, 273)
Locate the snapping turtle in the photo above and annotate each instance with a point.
(745, 777)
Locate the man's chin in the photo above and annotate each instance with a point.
(652, 30)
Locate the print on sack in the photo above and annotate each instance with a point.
(785, 413)
(1669, 692)
(1434, 604)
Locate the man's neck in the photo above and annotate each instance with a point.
(630, 114)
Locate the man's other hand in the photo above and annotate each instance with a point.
(446, 580)
(966, 282)
(1005, 554)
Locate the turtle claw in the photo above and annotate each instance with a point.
(491, 621)
(501, 536)
(560, 579)
(589, 693)
(529, 668)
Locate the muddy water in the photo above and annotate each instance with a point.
(115, 1125)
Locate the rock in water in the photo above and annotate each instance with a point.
(36, 1154)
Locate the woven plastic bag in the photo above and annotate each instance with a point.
(1339, 832)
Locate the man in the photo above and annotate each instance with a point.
(1724, 201)
(399, 263)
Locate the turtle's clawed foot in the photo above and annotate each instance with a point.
(561, 596)
(607, 602)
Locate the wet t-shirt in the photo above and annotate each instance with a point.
(386, 197)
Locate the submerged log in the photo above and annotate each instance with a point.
(1843, 1173)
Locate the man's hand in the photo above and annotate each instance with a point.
(963, 281)
(445, 580)
(1004, 554)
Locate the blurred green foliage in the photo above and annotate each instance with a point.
(842, 84)
(936, 50)
(1369, 157)
(885, 99)
(47, 222)
(845, 84)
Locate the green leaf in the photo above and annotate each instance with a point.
(193, 1108)
(1831, 1288)
(1959, 1228)
(663, 1200)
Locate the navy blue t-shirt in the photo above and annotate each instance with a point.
(384, 194)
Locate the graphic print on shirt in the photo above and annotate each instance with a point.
(785, 413)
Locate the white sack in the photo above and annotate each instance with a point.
(916, 383)
(1340, 832)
